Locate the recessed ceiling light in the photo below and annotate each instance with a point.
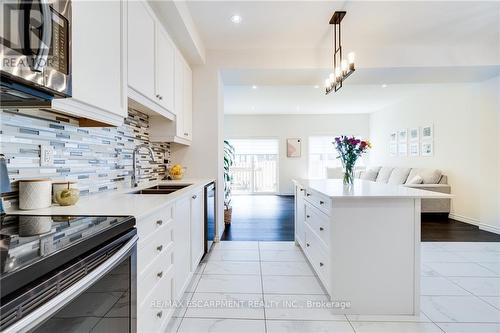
(384, 85)
(254, 87)
(236, 19)
(316, 87)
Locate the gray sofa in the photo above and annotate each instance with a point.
(419, 178)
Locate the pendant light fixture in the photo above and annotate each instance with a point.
(342, 67)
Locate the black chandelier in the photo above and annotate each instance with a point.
(342, 68)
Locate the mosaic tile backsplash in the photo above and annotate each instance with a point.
(97, 158)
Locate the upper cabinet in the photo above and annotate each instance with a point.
(99, 64)
(150, 62)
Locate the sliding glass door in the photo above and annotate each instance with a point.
(255, 170)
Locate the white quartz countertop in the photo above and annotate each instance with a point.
(121, 202)
(335, 188)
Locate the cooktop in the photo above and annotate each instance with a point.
(31, 246)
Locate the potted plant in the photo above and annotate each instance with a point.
(228, 163)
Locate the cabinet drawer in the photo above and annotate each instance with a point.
(322, 202)
(317, 255)
(154, 274)
(319, 223)
(154, 246)
(153, 313)
(154, 222)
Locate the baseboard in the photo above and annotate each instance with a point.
(490, 228)
(482, 226)
(464, 219)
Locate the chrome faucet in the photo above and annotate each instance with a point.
(135, 182)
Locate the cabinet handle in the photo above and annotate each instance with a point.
(321, 264)
(161, 97)
(307, 244)
(307, 194)
(159, 274)
(302, 190)
(186, 134)
(159, 248)
(157, 96)
(321, 202)
(159, 314)
(159, 222)
(194, 196)
(321, 229)
(308, 216)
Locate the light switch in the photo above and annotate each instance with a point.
(46, 155)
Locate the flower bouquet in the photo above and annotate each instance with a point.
(350, 149)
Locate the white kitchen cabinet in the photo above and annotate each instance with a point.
(164, 69)
(150, 63)
(197, 229)
(180, 130)
(182, 253)
(99, 64)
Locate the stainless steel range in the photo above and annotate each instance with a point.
(67, 274)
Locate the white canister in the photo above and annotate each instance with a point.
(34, 225)
(35, 193)
(61, 185)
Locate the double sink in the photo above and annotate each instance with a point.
(161, 189)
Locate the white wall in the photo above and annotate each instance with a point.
(293, 126)
(465, 119)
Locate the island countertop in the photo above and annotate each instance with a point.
(335, 188)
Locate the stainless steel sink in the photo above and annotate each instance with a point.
(161, 189)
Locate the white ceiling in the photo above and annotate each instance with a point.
(304, 24)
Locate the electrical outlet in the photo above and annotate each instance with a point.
(46, 155)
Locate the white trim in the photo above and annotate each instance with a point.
(465, 219)
(482, 226)
(490, 228)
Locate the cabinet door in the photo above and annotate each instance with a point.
(197, 229)
(98, 59)
(179, 94)
(141, 48)
(182, 249)
(299, 214)
(164, 70)
(188, 102)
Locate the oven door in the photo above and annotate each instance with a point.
(102, 301)
(35, 49)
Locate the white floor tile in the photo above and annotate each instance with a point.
(200, 268)
(493, 300)
(281, 246)
(492, 266)
(460, 269)
(291, 285)
(233, 267)
(470, 246)
(225, 305)
(479, 256)
(197, 325)
(234, 255)
(173, 325)
(469, 327)
(276, 255)
(236, 245)
(427, 271)
(401, 327)
(300, 307)
(440, 256)
(461, 309)
(422, 318)
(250, 284)
(479, 286)
(281, 326)
(437, 285)
(182, 306)
(286, 268)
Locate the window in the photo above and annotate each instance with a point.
(255, 168)
(322, 155)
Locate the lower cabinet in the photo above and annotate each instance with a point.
(299, 214)
(170, 247)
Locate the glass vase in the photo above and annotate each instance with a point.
(349, 172)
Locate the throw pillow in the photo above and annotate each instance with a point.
(415, 180)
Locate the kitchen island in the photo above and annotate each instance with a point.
(363, 241)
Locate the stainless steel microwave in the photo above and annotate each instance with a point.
(35, 54)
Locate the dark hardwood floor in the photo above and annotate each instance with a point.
(271, 218)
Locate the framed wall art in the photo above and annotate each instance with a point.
(293, 147)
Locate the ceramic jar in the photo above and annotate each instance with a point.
(35, 193)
